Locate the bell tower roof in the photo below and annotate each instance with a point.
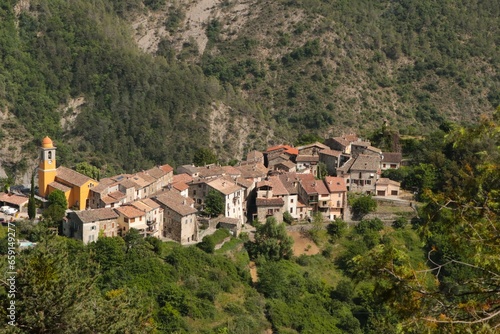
(47, 143)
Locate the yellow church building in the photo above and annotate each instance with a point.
(74, 185)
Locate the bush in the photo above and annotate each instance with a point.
(401, 222)
(362, 205)
(337, 228)
(209, 242)
(287, 218)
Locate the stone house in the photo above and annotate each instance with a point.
(391, 160)
(311, 149)
(179, 217)
(307, 164)
(364, 173)
(88, 225)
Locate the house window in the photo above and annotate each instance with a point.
(194, 192)
(291, 210)
(92, 228)
(384, 165)
(338, 204)
(393, 166)
(368, 181)
(50, 155)
(360, 175)
(132, 220)
(324, 203)
(291, 200)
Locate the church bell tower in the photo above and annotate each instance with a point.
(47, 166)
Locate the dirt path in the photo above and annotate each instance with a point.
(253, 272)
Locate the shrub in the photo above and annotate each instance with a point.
(400, 222)
(362, 205)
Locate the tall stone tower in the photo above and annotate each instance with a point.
(47, 167)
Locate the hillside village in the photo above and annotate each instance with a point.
(283, 180)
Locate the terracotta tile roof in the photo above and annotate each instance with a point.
(288, 179)
(288, 164)
(109, 200)
(263, 183)
(269, 201)
(13, 199)
(347, 165)
(117, 195)
(230, 170)
(148, 179)
(94, 215)
(72, 177)
(278, 187)
(254, 155)
(180, 186)
(361, 143)
(127, 184)
(177, 203)
(245, 183)
(103, 185)
(228, 220)
(166, 168)
(190, 168)
(253, 170)
(224, 186)
(149, 202)
(156, 172)
(330, 152)
(392, 157)
(210, 171)
(387, 181)
(335, 184)
(120, 177)
(141, 206)
(286, 148)
(129, 211)
(185, 178)
(342, 141)
(301, 204)
(307, 158)
(59, 186)
(366, 163)
(374, 149)
(311, 185)
(316, 144)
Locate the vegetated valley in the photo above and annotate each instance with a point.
(128, 84)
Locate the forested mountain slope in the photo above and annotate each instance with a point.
(127, 84)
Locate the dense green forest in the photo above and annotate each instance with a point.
(438, 273)
(289, 68)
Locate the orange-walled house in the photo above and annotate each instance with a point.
(74, 185)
